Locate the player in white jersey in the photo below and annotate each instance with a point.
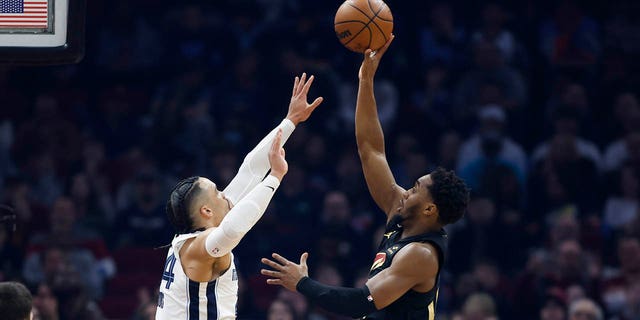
(199, 280)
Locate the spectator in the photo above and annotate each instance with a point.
(568, 39)
(489, 148)
(144, 222)
(623, 150)
(490, 81)
(281, 310)
(563, 177)
(553, 308)
(442, 41)
(566, 122)
(15, 301)
(479, 306)
(623, 205)
(493, 30)
(585, 309)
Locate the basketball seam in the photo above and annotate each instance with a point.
(379, 28)
(349, 21)
(370, 7)
(365, 26)
(381, 7)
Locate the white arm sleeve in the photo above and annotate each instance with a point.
(256, 164)
(241, 218)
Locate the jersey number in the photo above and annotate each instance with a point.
(167, 274)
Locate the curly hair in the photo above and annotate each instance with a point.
(178, 205)
(450, 194)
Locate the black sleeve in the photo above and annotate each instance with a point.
(352, 302)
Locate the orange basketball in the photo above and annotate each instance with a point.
(363, 24)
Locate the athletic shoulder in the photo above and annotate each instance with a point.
(417, 257)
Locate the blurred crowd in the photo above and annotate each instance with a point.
(534, 103)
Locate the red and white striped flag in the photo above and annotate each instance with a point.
(24, 14)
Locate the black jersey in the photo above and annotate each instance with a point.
(412, 305)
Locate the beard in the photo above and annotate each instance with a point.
(396, 219)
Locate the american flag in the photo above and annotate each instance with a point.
(24, 13)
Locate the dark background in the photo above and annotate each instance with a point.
(534, 103)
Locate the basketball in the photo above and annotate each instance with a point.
(363, 24)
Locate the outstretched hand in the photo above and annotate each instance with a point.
(285, 273)
(372, 60)
(299, 108)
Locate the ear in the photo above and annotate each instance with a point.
(205, 211)
(431, 210)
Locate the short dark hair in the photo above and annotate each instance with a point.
(450, 194)
(179, 204)
(15, 301)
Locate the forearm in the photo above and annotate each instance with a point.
(242, 217)
(352, 302)
(256, 164)
(369, 136)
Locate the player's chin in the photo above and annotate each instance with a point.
(397, 218)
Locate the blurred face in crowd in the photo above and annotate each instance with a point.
(493, 16)
(280, 310)
(487, 55)
(565, 227)
(563, 148)
(584, 310)
(481, 211)
(552, 310)
(442, 18)
(147, 190)
(487, 275)
(80, 187)
(575, 96)
(629, 255)
(569, 257)
(336, 208)
(479, 306)
(63, 216)
(295, 299)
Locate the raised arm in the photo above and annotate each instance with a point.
(370, 138)
(256, 164)
(217, 242)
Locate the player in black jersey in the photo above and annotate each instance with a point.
(404, 278)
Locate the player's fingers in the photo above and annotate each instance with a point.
(384, 48)
(295, 86)
(280, 259)
(277, 141)
(303, 79)
(368, 54)
(270, 273)
(271, 263)
(274, 281)
(307, 85)
(303, 259)
(282, 152)
(316, 103)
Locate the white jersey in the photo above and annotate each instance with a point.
(181, 298)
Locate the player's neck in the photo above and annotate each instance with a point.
(414, 229)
